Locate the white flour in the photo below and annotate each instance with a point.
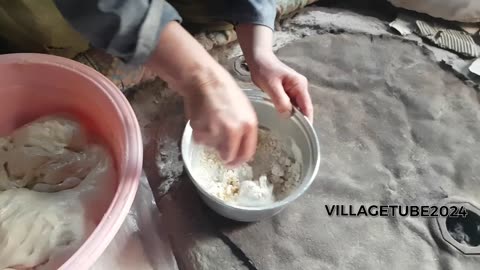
(272, 174)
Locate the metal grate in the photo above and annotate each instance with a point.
(462, 233)
(241, 67)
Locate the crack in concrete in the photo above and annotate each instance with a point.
(176, 254)
(165, 187)
(295, 29)
(445, 66)
(237, 251)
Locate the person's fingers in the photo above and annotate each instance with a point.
(205, 138)
(279, 98)
(303, 99)
(248, 145)
(230, 143)
(209, 127)
(205, 133)
(296, 87)
(199, 136)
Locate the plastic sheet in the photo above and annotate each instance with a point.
(140, 244)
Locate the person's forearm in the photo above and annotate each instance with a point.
(181, 61)
(256, 41)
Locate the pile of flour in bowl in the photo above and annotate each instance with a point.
(272, 174)
(55, 185)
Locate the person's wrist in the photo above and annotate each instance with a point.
(182, 62)
(260, 58)
(200, 80)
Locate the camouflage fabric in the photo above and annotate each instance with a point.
(211, 32)
(38, 26)
(197, 16)
(207, 30)
(287, 7)
(122, 75)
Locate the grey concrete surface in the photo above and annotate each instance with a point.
(395, 126)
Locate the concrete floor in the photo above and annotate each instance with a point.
(396, 127)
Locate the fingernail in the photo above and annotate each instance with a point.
(285, 114)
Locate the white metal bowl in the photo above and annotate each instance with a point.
(297, 127)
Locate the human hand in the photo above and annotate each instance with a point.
(222, 117)
(284, 85)
(220, 114)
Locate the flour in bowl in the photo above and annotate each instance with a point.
(55, 186)
(272, 174)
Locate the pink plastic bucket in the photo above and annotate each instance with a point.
(34, 85)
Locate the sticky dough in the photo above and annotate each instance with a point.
(48, 176)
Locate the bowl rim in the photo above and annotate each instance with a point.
(253, 94)
(96, 243)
